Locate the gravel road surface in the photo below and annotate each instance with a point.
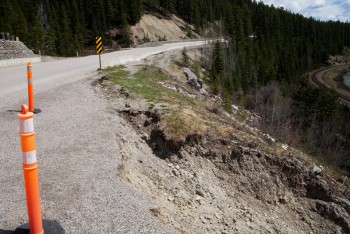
(78, 149)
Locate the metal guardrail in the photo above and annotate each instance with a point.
(8, 37)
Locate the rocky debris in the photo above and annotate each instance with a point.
(335, 60)
(342, 202)
(216, 184)
(335, 213)
(340, 59)
(316, 170)
(209, 184)
(192, 79)
(177, 89)
(217, 99)
(144, 136)
(13, 50)
(269, 138)
(284, 146)
(234, 108)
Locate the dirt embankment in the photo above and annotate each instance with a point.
(211, 182)
(152, 28)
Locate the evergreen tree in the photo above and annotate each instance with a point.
(36, 35)
(6, 15)
(185, 58)
(217, 69)
(20, 28)
(218, 61)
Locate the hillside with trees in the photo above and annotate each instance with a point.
(269, 50)
(282, 43)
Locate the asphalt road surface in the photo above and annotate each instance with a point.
(49, 74)
(79, 143)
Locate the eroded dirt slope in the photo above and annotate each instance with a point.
(238, 181)
(154, 29)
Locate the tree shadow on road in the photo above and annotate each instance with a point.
(6, 231)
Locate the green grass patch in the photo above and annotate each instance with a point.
(145, 84)
(116, 72)
(185, 115)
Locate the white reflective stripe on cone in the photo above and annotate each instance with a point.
(29, 157)
(26, 125)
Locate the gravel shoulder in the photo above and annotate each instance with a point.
(78, 154)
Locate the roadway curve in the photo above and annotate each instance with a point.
(81, 145)
(317, 79)
(50, 74)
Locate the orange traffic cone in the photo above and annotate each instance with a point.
(30, 170)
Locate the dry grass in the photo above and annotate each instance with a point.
(185, 115)
(182, 123)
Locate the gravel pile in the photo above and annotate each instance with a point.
(13, 50)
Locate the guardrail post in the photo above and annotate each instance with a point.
(30, 170)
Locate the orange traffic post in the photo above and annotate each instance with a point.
(30, 170)
(30, 87)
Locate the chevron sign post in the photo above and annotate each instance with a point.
(99, 48)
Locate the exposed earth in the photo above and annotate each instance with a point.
(152, 28)
(237, 181)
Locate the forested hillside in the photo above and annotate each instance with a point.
(269, 42)
(269, 49)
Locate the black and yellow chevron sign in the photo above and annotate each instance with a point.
(99, 46)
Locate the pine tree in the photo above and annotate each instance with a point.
(78, 28)
(65, 42)
(20, 28)
(125, 34)
(36, 35)
(218, 60)
(7, 16)
(185, 58)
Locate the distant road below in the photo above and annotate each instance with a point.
(317, 79)
(47, 75)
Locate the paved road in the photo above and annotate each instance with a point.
(48, 74)
(78, 148)
(317, 79)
